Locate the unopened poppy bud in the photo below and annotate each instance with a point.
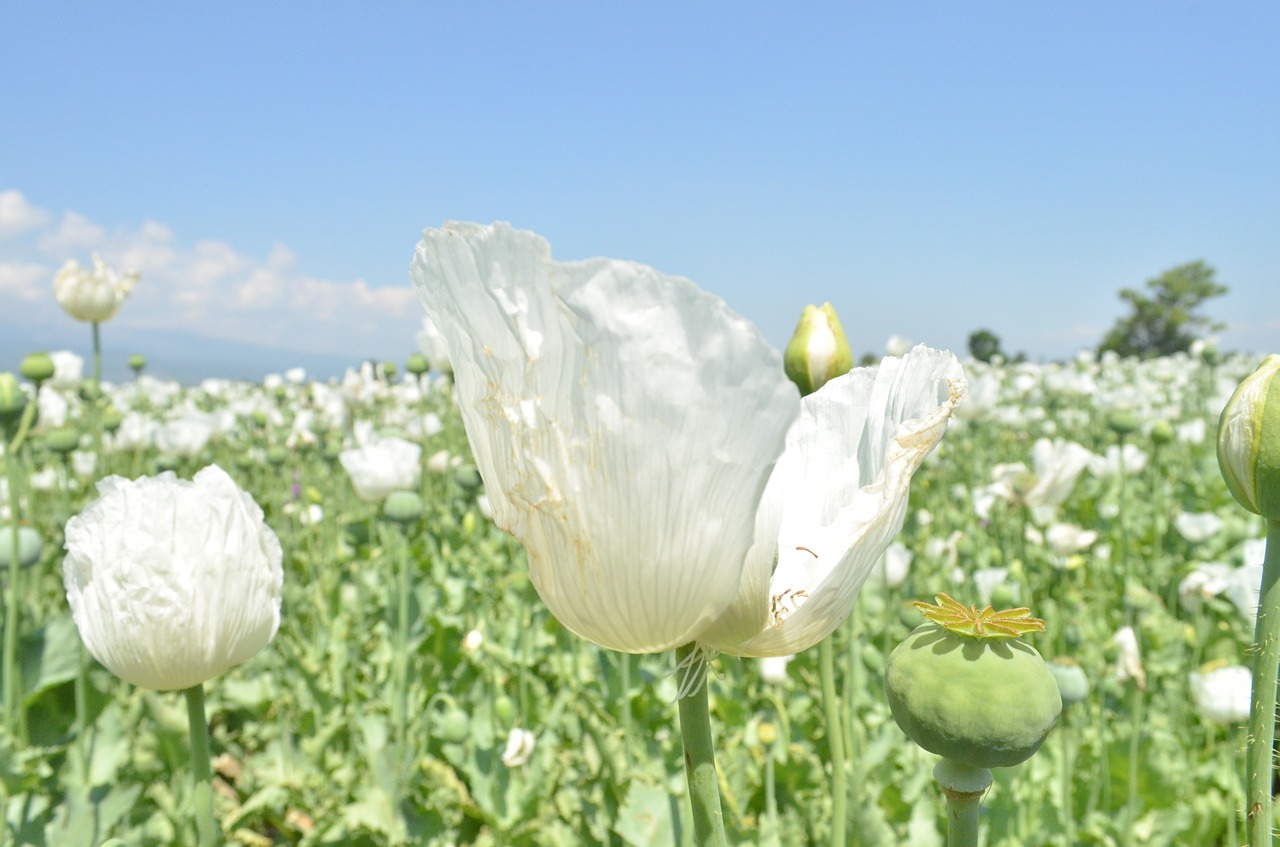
(1162, 433)
(1249, 441)
(37, 367)
(402, 507)
(1123, 423)
(416, 364)
(818, 351)
(64, 439)
(137, 363)
(12, 398)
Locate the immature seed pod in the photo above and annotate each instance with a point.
(1249, 441)
(964, 687)
(37, 367)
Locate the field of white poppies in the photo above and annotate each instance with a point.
(419, 690)
(459, 712)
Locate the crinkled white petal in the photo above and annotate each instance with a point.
(837, 498)
(625, 424)
(172, 583)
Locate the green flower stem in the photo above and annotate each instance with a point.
(400, 658)
(15, 715)
(1262, 714)
(700, 759)
(1133, 805)
(201, 767)
(963, 787)
(1068, 806)
(835, 741)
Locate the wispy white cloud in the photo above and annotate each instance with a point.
(207, 287)
(17, 215)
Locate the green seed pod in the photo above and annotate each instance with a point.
(259, 418)
(37, 367)
(818, 351)
(12, 398)
(389, 370)
(137, 363)
(90, 391)
(63, 440)
(504, 709)
(468, 477)
(968, 691)
(1162, 433)
(416, 364)
(1122, 423)
(451, 725)
(276, 456)
(111, 419)
(29, 546)
(1073, 685)
(1249, 441)
(402, 507)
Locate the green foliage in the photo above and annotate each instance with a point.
(1166, 320)
(984, 345)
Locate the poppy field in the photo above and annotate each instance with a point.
(418, 686)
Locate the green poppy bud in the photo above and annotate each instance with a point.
(29, 546)
(276, 455)
(12, 398)
(1073, 685)
(389, 370)
(1122, 423)
(818, 351)
(1249, 441)
(1162, 433)
(416, 364)
(137, 363)
(111, 419)
(402, 507)
(63, 440)
(37, 367)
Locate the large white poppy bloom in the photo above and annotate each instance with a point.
(626, 424)
(92, 295)
(172, 583)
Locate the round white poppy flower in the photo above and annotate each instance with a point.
(520, 744)
(1222, 693)
(382, 466)
(170, 582)
(626, 425)
(92, 295)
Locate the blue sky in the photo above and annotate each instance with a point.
(929, 168)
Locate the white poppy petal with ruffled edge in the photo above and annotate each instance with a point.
(625, 424)
(170, 582)
(841, 489)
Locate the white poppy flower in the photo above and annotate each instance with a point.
(1197, 527)
(170, 582)
(381, 466)
(520, 744)
(1222, 694)
(626, 424)
(773, 669)
(92, 295)
(1129, 657)
(433, 346)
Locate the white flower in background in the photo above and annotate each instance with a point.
(1222, 693)
(773, 669)
(1191, 432)
(92, 295)
(1243, 588)
(433, 346)
(987, 580)
(68, 369)
(307, 514)
(1129, 657)
(1197, 527)
(894, 565)
(45, 479)
(1055, 467)
(897, 345)
(472, 641)
(170, 582)
(1065, 539)
(981, 399)
(382, 466)
(296, 376)
(136, 431)
(485, 507)
(1130, 457)
(605, 404)
(52, 409)
(438, 462)
(1209, 579)
(272, 381)
(520, 744)
(185, 436)
(84, 463)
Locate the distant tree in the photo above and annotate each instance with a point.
(1166, 319)
(984, 345)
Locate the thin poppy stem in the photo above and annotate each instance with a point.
(1262, 714)
(700, 757)
(201, 767)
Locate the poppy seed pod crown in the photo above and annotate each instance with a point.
(1249, 441)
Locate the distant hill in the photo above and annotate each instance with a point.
(183, 356)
